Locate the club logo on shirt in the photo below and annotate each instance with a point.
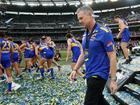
(93, 37)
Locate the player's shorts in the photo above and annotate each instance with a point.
(15, 57)
(47, 54)
(27, 53)
(75, 58)
(125, 35)
(5, 59)
(32, 54)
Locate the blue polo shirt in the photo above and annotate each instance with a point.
(97, 61)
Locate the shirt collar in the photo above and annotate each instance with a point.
(95, 29)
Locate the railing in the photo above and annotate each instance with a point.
(58, 25)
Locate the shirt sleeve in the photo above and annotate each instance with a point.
(108, 42)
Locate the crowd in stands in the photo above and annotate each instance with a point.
(63, 20)
(132, 43)
(129, 15)
(61, 45)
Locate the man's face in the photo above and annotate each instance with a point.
(48, 38)
(84, 18)
(116, 20)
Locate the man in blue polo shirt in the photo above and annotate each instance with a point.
(99, 57)
(124, 34)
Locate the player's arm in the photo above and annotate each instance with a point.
(59, 56)
(20, 52)
(37, 51)
(54, 62)
(109, 47)
(122, 27)
(22, 46)
(49, 43)
(81, 48)
(107, 40)
(68, 49)
(53, 44)
(11, 50)
(34, 45)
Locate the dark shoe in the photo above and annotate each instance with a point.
(2, 79)
(52, 74)
(19, 77)
(8, 92)
(130, 59)
(83, 71)
(24, 70)
(126, 62)
(40, 78)
(59, 67)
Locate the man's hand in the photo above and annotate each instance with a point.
(113, 86)
(72, 75)
(1, 66)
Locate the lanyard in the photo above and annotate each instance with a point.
(89, 36)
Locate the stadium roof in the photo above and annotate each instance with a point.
(49, 6)
(47, 2)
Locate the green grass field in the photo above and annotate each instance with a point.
(64, 54)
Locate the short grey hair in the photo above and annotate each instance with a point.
(85, 9)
